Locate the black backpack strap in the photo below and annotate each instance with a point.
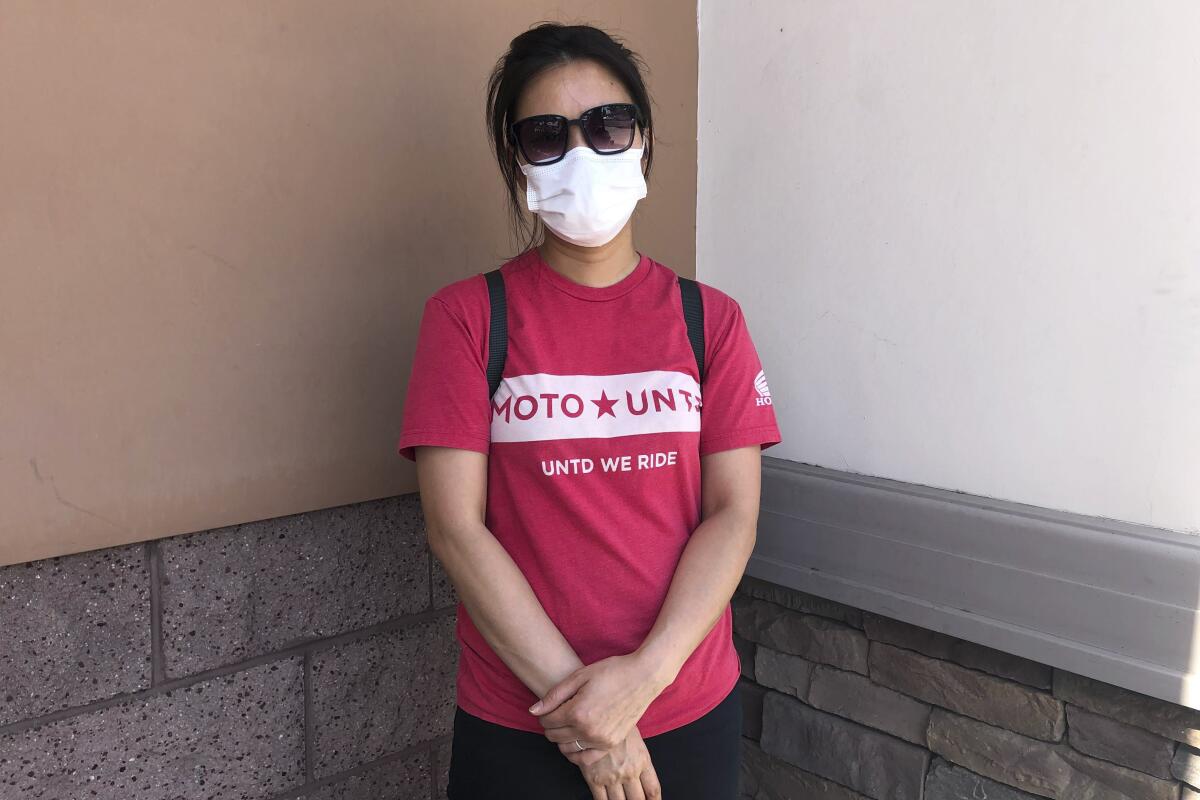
(693, 315)
(498, 330)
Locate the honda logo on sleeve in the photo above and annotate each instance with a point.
(760, 386)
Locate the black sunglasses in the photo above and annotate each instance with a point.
(607, 129)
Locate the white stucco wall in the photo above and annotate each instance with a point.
(966, 236)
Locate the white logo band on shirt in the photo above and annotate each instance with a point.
(541, 406)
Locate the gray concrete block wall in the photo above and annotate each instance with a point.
(309, 656)
(932, 717)
(313, 656)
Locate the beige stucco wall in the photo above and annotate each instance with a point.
(218, 224)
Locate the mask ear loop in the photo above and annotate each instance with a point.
(641, 126)
(539, 226)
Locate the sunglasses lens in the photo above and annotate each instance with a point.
(542, 139)
(611, 128)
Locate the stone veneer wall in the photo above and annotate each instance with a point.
(306, 656)
(313, 656)
(842, 704)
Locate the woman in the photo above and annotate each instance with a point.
(593, 520)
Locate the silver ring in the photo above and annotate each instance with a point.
(581, 747)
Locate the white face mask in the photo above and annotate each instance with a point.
(586, 198)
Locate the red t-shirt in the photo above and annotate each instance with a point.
(594, 440)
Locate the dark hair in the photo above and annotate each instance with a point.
(542, 47)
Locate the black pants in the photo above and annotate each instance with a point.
(698, 761)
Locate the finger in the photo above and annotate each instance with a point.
(562, 736)
(633, 789)
(566, 710)
(557, 694)
(650, 784)
(616, 791)
(567, 746)
(567, 734)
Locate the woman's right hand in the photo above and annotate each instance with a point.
(623, 772)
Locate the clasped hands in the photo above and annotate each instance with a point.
(599, 705)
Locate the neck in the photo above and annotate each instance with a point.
(591, 266)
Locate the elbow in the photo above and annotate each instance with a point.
(746, 523)
(436, 537)
(443, 536)
(742, 515)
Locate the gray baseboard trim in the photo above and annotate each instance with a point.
(1111, 600)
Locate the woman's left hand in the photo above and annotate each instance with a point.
(599, 703)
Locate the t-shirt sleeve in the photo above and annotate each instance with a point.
(447, 404)
(735, 407)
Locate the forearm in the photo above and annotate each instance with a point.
(705, 579)
(504, 607)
